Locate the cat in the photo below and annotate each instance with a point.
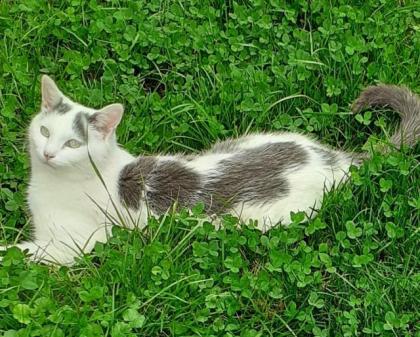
(82, 181)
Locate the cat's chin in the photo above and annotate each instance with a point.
(50, 164)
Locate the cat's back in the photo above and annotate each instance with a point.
(232, 145)
(279, 151)
(266, 176)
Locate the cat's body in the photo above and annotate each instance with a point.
(262, 176)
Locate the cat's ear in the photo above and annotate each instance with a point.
(107, 119)
(51, 95)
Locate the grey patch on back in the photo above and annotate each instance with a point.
(189, 157)
(227, 146)
(61, 107)
(170, 182)
(254, 175)
(80, 125)
(132, 180)
(329, 157)
(335, 159)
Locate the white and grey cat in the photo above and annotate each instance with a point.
(259, 176)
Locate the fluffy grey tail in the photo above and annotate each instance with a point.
(400, 99)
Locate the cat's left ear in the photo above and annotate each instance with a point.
(51, 95)
(107, 119)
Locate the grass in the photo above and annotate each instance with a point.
(190, 72)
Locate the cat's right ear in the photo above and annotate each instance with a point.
(107, 119)
(51, 95)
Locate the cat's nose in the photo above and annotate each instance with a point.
(48, 155)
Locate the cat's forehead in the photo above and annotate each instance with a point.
(66, 108)
(67, 118)
(67, 112)
(63, 107)
(58, 119)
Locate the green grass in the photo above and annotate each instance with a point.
(190, 72)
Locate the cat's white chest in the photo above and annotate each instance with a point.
(65, 210)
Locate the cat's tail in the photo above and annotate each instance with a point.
(403, 101)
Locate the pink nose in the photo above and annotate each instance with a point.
(48, 155)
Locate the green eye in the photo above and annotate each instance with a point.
(45, 132)
(73, 143)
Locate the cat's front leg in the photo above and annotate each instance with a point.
(46, 252)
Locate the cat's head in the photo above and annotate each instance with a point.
(63, 131)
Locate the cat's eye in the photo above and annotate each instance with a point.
(73, 143)
(45, 132)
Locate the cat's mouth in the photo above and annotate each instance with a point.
(49, 163)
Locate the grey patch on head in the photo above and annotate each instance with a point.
(94, 120)
(132, 179)
(80, 125)
(61, 107)
(254, 175)
(171, 181)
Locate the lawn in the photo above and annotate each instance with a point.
(190, 72)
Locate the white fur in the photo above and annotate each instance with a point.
(72, 209)
(70, 206)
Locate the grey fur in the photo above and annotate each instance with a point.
(61, 108)
(329, 157)
(252, 175)
(80, 125)
(132, 179)
(227, 146)
(400, 99)
(170, 182)
(94, 120)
